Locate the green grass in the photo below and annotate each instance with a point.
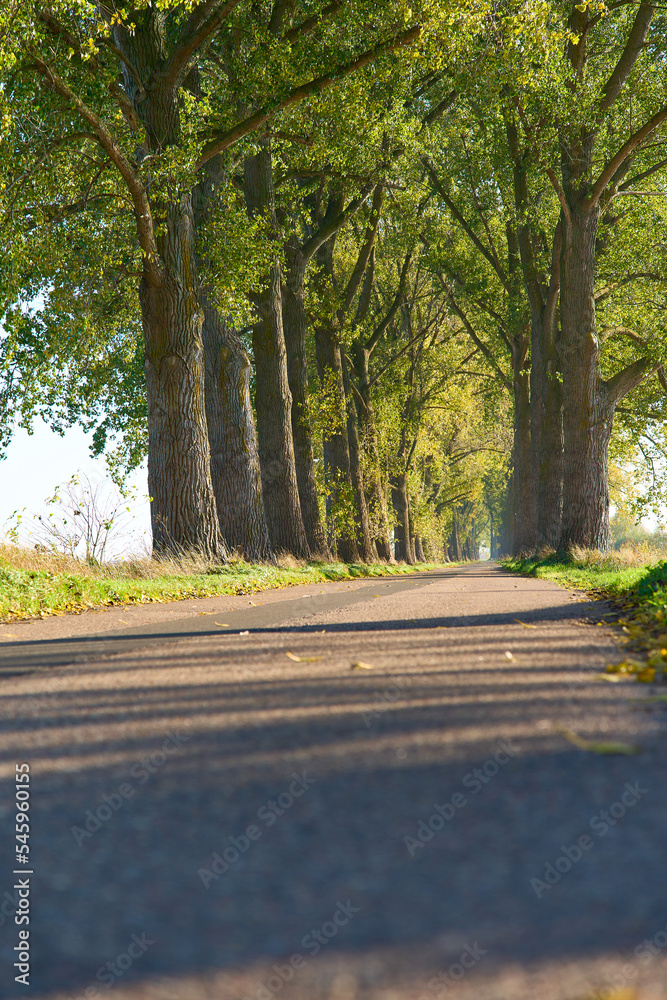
(636, 588)
(35, 585)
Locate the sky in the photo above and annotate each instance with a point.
(36, 463)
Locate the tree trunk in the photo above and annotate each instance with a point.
(523, 524)
(587, 415)
(403, 542)
(235, 469)
(273, 400)
(295, 328)
(337, 471)
(455, 550)
(377, 500)
(546, 429)
(364, 542)
(183, 510)
(507, 532)
(419, 549)
(550, 474)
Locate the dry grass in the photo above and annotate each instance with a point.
(37, 582)
(626, 557)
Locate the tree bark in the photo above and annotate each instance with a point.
(419, 550)
(523, 540)
(550, 455)
(183, 510)
(375, 490)
(273, 399)
(366, 549)
(403, 547)
(455, 550)
(587, 415)
(235, 469)
(295, 327)
(336, 449)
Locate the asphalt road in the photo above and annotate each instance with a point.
(212, 818)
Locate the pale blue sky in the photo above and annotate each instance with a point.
(37, 463)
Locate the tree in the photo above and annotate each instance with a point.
(150, 132)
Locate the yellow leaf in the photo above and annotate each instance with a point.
(207, 612)
(509, 656)
(223, 624)
(525, 624)
(603, 747)
(360, 665)
(615, 678)
(303, 659)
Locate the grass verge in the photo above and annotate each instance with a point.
(36, 584)
(636, 585)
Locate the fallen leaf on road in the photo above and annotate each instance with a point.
(509, 656)
(207, 612)
(613, 678)
(303, 659)
(223, 624)
(360, 665)
(10, 635)
(244, 633)
(525, 624)
(606, 747)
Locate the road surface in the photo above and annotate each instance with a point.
(214, 819)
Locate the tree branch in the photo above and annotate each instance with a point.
(223, 140)
(628, 378)
(624, 152)
(139, 194)
(197, 30)
(380, 330)
(470, 233)
(311, 23)
(365, 251)
(475, 339)
(609, 289)
(643, 175)
(327, 229)
(629, 56)
(551, 174)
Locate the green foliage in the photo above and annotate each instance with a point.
(37, 592)
(638, 594)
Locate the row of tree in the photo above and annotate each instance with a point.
(338, 269)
